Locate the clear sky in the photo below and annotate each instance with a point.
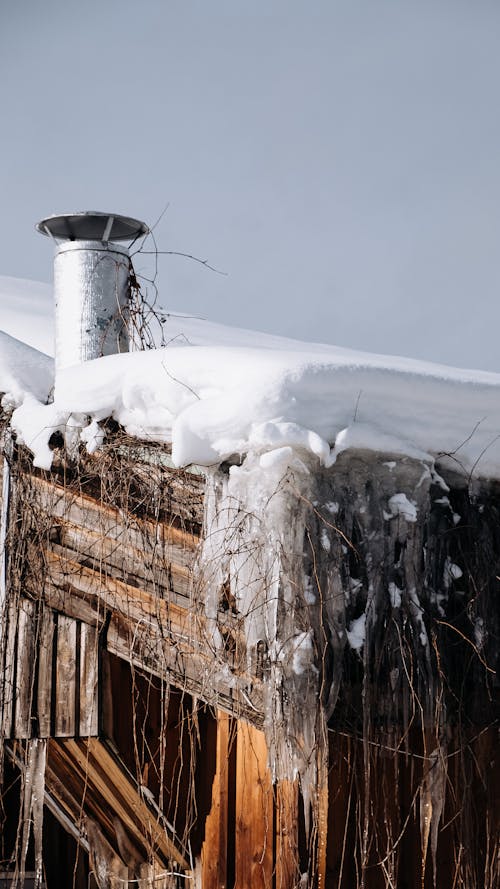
(339, 160)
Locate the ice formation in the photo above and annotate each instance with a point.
(253, 543)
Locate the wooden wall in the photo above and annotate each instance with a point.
(50, 674)
(251, 833)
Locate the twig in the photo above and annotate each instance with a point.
(204, 262)
(466, 639)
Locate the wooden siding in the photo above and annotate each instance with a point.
(50, 681)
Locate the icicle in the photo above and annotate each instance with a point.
(432, 798)
(255, 529)
(34, 791)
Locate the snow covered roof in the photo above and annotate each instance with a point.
(215, 391)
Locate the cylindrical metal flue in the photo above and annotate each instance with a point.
(91, 284)
(91, 294)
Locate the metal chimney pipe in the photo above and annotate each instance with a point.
(91, 283)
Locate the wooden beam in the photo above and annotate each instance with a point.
(73, 605)
(147, 569)
(152, 633)
(135, 603)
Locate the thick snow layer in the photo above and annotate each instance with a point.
(215, 402)
(23, 371)
(215, 391)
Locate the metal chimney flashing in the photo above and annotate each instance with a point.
(92, 225)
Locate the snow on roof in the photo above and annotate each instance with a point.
(215, 391)
(23, 371)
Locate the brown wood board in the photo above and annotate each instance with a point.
(88, 681)
(287, 820)
(214, 850)
(45, 663)
(84, 511)
(8, 678)
(131, 601)
(24, 682)
(188, 667)
(65, 691)
(254, 811)
(93, 783)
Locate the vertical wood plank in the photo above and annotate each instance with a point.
(89, 658)
(24, 669)
(214, 851)
(106, 713)
(322, 814)
(287, 821)
(64, 726)
(8, 678)
(44, 690)
(254, 811)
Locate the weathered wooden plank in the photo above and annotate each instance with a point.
(83, 511)
(214, 851)
(287, 821)
(45, 656)
(169, 619)
(89, 679)
(322, 815)
(254, 811)
(130, 600)
(137, 568)
(187, 666)
(129, 544)
(24, 685)
(149, 632)
(153, 877)
(8, 678)
(64, 722)
(73, 605)
(99, 770)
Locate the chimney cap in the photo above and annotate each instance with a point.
(92, 225)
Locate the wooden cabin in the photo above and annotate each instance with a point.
(293, 690)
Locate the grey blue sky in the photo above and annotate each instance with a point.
(339, 160)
